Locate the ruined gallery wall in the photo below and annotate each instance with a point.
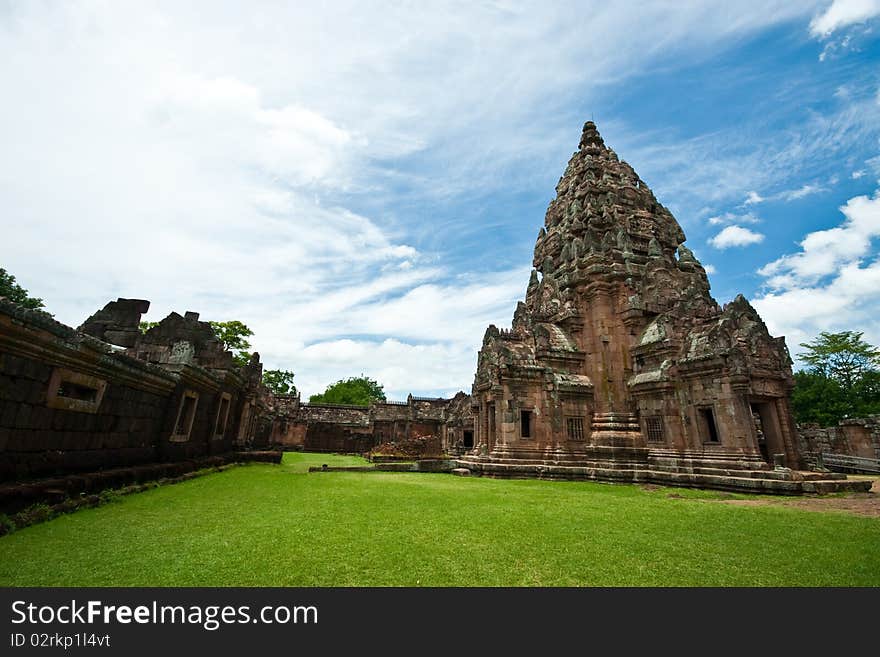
(854, 437)
(358, 429)
(68, 403)
(72, 403)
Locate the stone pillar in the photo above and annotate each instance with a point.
(616, 430)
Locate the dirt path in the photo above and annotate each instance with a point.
(862, 504)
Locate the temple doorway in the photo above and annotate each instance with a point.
(767, 429)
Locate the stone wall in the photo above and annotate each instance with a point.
(359, 429)
(853, 437)
(70, 402)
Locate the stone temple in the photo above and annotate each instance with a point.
(619, 364)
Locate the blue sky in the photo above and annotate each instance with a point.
(362, 183)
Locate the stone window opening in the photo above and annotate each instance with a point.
(186, 414)
(75, 391)
(222, 418)
(708, 427)
(575, 428)
(654, 429)
(525, 424)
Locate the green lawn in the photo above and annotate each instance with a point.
(263, 525)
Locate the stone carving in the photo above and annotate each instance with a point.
(182, 353)
(686, 255)
(623, 241)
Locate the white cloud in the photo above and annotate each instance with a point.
(245, 161)
(753, 198)
(824, 252)
(850, 301)
(437, 328)
(858, 174)
(843, 13)
(710, 269)
(402, 368)
(827, 286)
(735, 236)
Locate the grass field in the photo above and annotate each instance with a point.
(262, 525)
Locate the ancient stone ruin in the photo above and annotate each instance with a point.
(621, 366)
(107, 397)
(416, 427)
(618, 366)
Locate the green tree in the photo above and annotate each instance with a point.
(16, 293)
(866, 394)
(356, 390)
(842, 379)
(817, 398)
(233, 335)
(279, 381)
(146, 326)
(843, 356)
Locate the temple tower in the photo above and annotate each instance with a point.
(619, 359)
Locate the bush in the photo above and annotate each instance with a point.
(6, 525)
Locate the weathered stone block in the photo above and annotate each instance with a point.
(36, 371)
(20, 390)
(23, 416)
(13, 366)
(8, 411)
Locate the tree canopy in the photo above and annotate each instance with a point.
(16, 293)
(842, 380)
(844, 357)
(279, 381)
(357, 391)
(234, 335)
(146, 326)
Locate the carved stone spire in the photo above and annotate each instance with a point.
(590, 138)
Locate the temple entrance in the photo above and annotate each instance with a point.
(767, 429)
(468, 442)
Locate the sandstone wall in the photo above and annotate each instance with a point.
(358, 429)
(72, 403)
(37, 440)
(854, 437)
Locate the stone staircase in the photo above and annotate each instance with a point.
(746, 475)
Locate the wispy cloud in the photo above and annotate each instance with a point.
(733, 218)
(715, 167)
(287, 164)
(807, 189)
(801, 192)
